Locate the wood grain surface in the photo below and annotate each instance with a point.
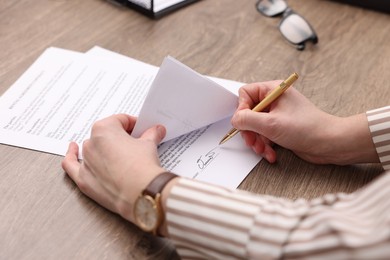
(44, 216)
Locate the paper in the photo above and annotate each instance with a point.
(183, 100)
(63, 93)
(197, 155)
(158, 5)
(60, 96)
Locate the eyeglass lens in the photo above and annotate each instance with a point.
(271, 7)
(295, 29)
(293, 26)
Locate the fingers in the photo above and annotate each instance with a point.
(264, 148)
(269, 154)
(258, 122)
(155, 134)
(251, 94)
(113, 123)
(71, 164)
(249, 137)
(127, 122)
(259, 145)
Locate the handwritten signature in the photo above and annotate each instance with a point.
(205, 160)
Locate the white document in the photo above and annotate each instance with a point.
(183, 100)
(60, 96)
(63, 93)
(158, 5)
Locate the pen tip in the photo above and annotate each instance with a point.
(222, 141)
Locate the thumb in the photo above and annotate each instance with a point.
(155, 134)
(258, 122)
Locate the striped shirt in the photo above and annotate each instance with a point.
(211, 222)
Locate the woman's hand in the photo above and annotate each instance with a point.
(293, 122)
(115, 167)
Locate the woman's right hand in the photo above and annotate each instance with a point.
(295, 123)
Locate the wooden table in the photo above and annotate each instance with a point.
(44, 216)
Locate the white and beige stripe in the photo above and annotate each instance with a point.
(210, 222)
(379, 123)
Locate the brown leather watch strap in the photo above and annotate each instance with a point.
(158, 183)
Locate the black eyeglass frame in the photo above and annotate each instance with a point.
(300, 45)
(285, 14)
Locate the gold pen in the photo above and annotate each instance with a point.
(265, 102)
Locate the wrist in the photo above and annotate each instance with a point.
(148, 210)
(126, 201)
(351, 142)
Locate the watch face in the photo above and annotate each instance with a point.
(146, 213)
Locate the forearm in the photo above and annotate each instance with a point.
(351, 141)
(206, 221)
(362, 138)
(336, 140)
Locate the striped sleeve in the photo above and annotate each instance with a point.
(379, 124)
(210, 222)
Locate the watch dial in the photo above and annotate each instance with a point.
(146, 214)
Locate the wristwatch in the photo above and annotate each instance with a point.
(147, 208)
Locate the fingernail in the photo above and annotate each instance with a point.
(161, 129)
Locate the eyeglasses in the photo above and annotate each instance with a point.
(294, 28)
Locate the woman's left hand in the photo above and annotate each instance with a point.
(115, 167)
